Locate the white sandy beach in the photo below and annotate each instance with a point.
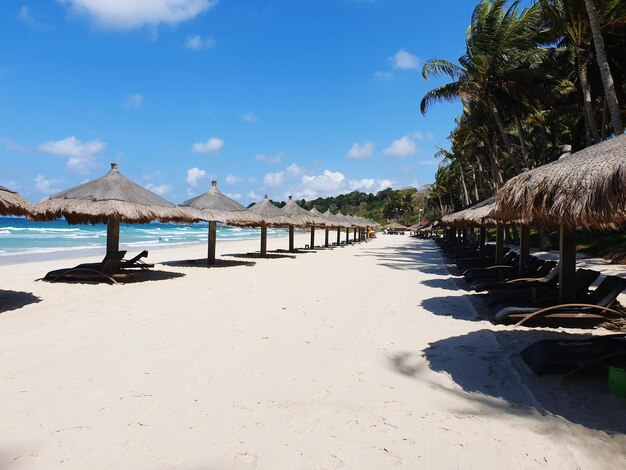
(362, 357)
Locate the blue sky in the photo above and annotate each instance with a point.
(303, 97)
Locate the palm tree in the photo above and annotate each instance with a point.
(499, 42)
(568, 18)
(605, 71)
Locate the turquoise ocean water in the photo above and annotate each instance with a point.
(24, 238)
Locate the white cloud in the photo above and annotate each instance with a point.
(212, 145)
(72, 147)
(195, 176)
(235, 196)
(294, 170)
(253, 195)
(361, 150)
(198, 43)
(15, 147)
(133, 101)
(26, 17)
(331, 183)
(232, 179)
(127, 14)
(274, 179)
(432, 162)
(327, 182)
(160, 189)
(47, 186)
(402, 147)
(423, 135)
(404, 60)
(271, 159)
(370, 185)
(81, 155)
(383, 76)
(249, 117)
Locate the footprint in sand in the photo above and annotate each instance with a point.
(246, 460)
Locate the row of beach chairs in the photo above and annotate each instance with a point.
(531, 299)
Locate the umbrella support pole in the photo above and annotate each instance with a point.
(524, 249)
(113, 235)
(212, 236)
(291, 236)
(347, 235)
(567, 265)
(312, 237)
(338, 236)
(499, 243)
(354, 236)
(263, 239)
(482, 240)
(326, 233)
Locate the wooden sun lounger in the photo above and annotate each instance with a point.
(110, 269)
(596, 310)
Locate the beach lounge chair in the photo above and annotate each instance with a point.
(509, 258)
(137, 263)
(595, 309)
(108, 270)
(510, 264)
(537, 269)
(575, 355)
(543, 295)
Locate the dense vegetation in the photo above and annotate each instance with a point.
(534, 83)
(402, 205)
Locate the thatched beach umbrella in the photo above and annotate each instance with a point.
(272, 217)
(334, 223)
(586, 189)
(299, 216)
(347, 223)
(12, 203)
(322, 222)
(215, 207)
(111, 199)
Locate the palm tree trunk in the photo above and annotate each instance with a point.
(590, 120)
(605, 119)
(476, 195)
(505, 137)
(495, 169)
(465, 193)
(605, 71)
(522, 140)
(544, 240)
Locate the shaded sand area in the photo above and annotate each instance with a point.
(364, 357)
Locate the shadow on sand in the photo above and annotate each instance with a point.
(13, 300)
(472, 309)
(420, 255)
(202, 263)
(258, 255)
(489, 370)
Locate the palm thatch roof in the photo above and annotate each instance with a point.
(298, 215)
(12, 203)
(586, 189)
(325, 221)
(110, 196)
(479, 213)
(334, 221)
(214, 206)
(395, 226)
(345, 219)
(271, 214)
(356, 221)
